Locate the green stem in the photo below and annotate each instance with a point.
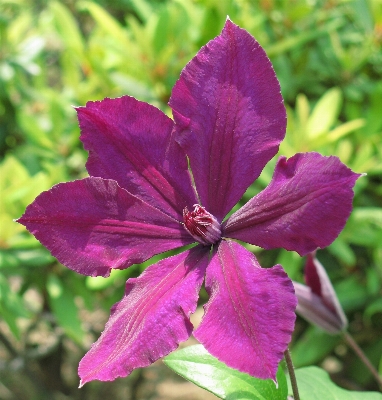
(292, 375)
(353, 344)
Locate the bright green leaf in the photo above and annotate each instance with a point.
(337, 133)
(195, 364)
(142, 8)
(325, 113)
(108, 23)
(99, 282)
(67, 27)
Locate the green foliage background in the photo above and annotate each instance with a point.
(56, 54)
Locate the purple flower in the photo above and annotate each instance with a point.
(140, 200)
(318, 302)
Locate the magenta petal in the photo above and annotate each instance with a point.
(305, 206)
(229, 116)
(250, 317)
(132, 143)
(93, 225)
(150, 320)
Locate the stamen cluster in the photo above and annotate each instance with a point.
(201, 225)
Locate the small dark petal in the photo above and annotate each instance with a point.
(312, 308)
(327, 293)
(318, 303)
(311, 276)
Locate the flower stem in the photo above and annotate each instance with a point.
(292, 375)
(353, 344)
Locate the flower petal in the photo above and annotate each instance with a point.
(311, 307)
(317, 279)
(305, 206)
(229, 116)
(132, 143)
(93, 225)
(150, 320)
(250, 317)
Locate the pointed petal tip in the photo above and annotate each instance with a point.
(230, 23)
(81, 384)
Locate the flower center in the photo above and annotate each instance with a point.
(201, 225)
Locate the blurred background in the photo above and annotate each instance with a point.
(58, 54)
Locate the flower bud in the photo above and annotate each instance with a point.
(318, 302)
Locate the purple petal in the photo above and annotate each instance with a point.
(229, 116)
(150, 320)
(311, 307)
(317, 279)
(93, 225)
(305, 206)
(250, 317)
(132, 143)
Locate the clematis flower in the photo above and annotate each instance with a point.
(140, 200)
(317, 300)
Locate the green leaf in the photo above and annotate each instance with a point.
(17, 258)
(11, 306)
(291, 262)
(374, 308)
(341, 249)
(106, 22)
(325, 113)
(142, 8)
(99, 282)
(195, 364)
(300, 39)
(314, 384)
(67, 27)
(351, 293)
(313, 346)
(338, 133)
(61, 300)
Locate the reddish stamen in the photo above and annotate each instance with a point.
(201, 225)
